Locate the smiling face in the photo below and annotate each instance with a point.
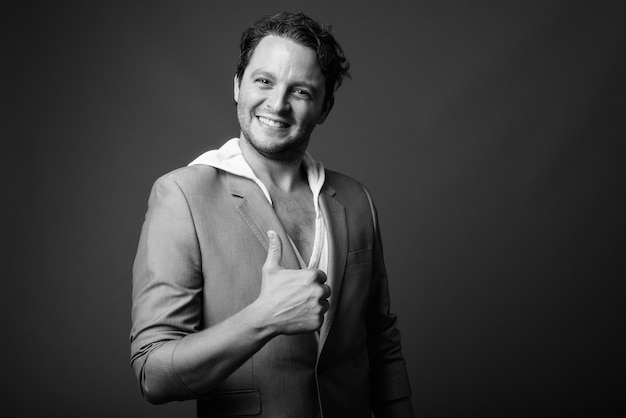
(280, 98)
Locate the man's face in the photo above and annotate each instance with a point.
(280, 98)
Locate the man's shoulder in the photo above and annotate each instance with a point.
(192, 178)
(190, 173)
(347, 189)
(339, 180)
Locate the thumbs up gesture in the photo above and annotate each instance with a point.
(293, 301)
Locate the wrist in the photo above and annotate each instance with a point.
(258, 317)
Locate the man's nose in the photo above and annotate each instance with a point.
(278, 101)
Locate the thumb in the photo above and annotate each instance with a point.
(274, 250)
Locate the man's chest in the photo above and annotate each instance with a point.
(297, 214)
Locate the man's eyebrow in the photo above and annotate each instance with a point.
(263, 73)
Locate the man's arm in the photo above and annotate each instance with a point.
(172, 357)
(391, 393)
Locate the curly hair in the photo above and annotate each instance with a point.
(306, 31)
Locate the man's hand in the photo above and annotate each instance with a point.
(291, 301)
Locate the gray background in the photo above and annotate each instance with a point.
(491, 135)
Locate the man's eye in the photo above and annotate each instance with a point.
(263, 81)
(302, 93)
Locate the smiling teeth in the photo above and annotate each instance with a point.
(272, 123)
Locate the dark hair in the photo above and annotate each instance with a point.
(306, 31)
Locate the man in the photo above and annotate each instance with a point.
(259, 286)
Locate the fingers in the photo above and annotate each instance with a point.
(326, 291)
(325, 307)
(274, 250)
(323, 300)
(321, 277)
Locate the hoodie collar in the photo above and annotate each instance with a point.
(229, 158)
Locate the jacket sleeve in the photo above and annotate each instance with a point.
(388, 375)
(166, 296)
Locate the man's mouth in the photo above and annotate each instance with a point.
(272, 123)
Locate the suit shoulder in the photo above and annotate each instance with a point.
(190, 177)
(343, 183)
(349, 191)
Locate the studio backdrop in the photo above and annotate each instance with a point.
(491, 135)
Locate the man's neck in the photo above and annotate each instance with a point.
(283, 176)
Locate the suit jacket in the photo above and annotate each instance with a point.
(199, 262)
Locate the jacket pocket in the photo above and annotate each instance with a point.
(359, 256)
(230, 404)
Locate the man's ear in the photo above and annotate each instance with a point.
(328, 105)
(236, 88)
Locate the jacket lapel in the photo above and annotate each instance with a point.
(335, 217)
(259, 215)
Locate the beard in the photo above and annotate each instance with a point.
(287, 152)
(289, 149)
